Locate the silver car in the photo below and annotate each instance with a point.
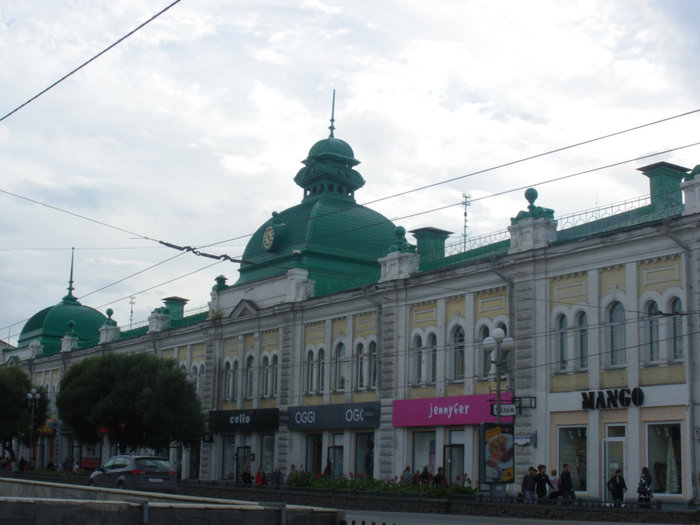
(136, 473)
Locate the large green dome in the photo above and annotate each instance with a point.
(337, 240)
(51, 324)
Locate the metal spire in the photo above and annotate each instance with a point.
(332, 126)
(70, 295)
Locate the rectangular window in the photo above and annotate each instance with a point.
(313, 453)
(573, 451)
(664, 458)
(424, 451)
(228, 463)
(335, 457)
(268, 453)
(364, 455)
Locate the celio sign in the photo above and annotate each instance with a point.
(618, 398)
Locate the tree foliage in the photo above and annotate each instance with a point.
(138, 399)
(15, 412)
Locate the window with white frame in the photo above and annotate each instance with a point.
(310, 372)
(234, 381)
(483, 352)
(651, 332)
(321, 370)
(665, 460)
(432, 352)
(266, 376)
(562, 343)
(250, 376)
(227, 381)
(457, 348)
(275, 375)
(676, 332)
(340, 367)
(582, 339)
(616, 334)
(417, 359)
(361, 358)
(373, 364)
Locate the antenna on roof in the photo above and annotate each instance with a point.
(332, 126)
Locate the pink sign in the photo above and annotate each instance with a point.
(444, 411)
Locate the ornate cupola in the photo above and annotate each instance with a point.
(329, 167)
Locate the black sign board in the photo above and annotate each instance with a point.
(244, 420)
(325, 417)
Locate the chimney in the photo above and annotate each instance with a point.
(175, 306)
(665, 183)
(431, 242)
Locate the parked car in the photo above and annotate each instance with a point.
(135, 473)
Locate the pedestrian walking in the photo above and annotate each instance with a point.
(617, 488)
(527, 487)
(644, 488)
(541, 482)
(566, 487)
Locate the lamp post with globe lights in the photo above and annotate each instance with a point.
(33, 398)
(502, 345)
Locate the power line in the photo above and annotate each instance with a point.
(81, 66)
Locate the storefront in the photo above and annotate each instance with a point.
(245, 438)
(336, 439)
(447, 432)
(625, 429)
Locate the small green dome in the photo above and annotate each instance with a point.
(50, 325)
(335, 149)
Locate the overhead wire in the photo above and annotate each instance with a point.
(81, 66)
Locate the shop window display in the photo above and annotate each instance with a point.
(364, 454)
(573, 450)
(664, 457)
(424, 450)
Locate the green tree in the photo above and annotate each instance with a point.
(138, 400)
(15, 412)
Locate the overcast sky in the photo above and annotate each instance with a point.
(192, 130)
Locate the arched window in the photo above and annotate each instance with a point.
(651, 331)
(676, 329)
(340, 366)
(266, 376)
(458, 353)
(234, 381)
(582, 339)
(373, 365)
(275, 375)
(321, 370)
(227, 381)
(433, 358)
(417, 359)
(195, 380)
(562, 347)
(250, 377)
(485, 354)
(360, 354)
(616, 334)
(310, 372)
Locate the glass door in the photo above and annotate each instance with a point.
(613, 455)
(454, 464)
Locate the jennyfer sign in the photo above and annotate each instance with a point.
(344, 415)
(444, 411)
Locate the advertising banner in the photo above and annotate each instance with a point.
(497, 453)
(344, 415)
(259, 420)
(444, 411)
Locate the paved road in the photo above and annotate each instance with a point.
(356, 517)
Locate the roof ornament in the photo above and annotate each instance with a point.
(332, 126)
(70, 296)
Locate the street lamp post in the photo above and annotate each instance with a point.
(33, 398)
(502, 345)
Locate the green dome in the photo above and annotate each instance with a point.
(50, 325)
(337, 240)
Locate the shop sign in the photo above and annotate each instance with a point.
(618, 398)
(507, 410)
(244, 420)
(325, 417)
(444, 411)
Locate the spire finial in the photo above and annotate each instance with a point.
(332, 126)
(70, 296)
